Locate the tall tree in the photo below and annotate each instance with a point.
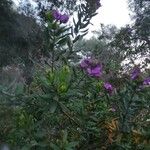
(141, 17)
(20, 37)
(134, 40)
(6, 21)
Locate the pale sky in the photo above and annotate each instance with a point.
(114, 12)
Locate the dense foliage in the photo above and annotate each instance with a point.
(73, 93)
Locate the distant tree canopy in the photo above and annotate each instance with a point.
(68, 5)
(20, 38)
(19, 33)
(141, 13)
(135, 38)
(141, 16)
(6, 21)
(133, 41)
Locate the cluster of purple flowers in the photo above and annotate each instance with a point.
(63, 18)
(93, 69)
(135, 73)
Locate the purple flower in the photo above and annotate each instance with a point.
(85, 63)
(56, 15)
(108, 87)
(98, 4)
(146, 81)
(64, 18)
(91, 67)
(59, 17)
(95, 71)
(135, 73)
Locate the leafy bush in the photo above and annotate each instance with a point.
(70, 106)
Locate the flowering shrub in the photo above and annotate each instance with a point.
(71, 107)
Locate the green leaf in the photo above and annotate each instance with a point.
(19, 89)
(54, 26)
(53, 106)
(65, 135)
(73, 144)
(26, 147)
(62, 30)
(49, 16)
(54, 147)
(62, 41)
(33, 142)
(40, 134)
